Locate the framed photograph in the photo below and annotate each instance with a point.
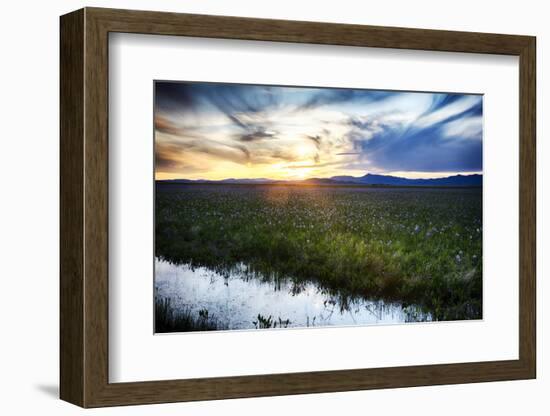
(257, 207)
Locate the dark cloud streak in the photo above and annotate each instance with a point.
(336, 96)
(259, 134)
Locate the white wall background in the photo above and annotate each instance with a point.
(29, 206)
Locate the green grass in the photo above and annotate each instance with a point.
(415, 246)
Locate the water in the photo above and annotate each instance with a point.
(236, 301)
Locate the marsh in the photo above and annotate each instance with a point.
(268, 256)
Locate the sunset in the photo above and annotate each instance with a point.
(296, 207)
(219, 131)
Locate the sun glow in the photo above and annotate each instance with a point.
(218, 131)
(303, 151)
(300, 173)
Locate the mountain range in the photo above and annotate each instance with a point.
(368, 179)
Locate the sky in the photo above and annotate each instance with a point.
(218, 131)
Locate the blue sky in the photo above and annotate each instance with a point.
(218, 131)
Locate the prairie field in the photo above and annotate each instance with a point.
(417, 248)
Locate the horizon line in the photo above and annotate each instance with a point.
(319, 177)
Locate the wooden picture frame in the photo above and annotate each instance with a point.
(84, 207)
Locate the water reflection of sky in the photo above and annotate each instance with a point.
(238, 299)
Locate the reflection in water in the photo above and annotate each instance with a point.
(237, 300)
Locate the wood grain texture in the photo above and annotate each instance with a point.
(84, 207)
(527, 208)
(71, 210)
(226, 27)
(96, 219)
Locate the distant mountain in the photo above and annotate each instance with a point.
(372, 179)
(229, 180)
(255, 180)
(368, 179)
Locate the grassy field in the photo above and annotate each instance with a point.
(417, 246)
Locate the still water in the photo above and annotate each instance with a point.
(237, 300)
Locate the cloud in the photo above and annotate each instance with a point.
(219, 126)
(315, 165)
(466, 128)
(323, 97)
(452, 106)
(170, 152)
(315, 139)
(174, 96)
(259, 134)
(449, 143)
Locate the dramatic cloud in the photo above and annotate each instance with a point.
(259, 134)
(208, 130)
(328, 96)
